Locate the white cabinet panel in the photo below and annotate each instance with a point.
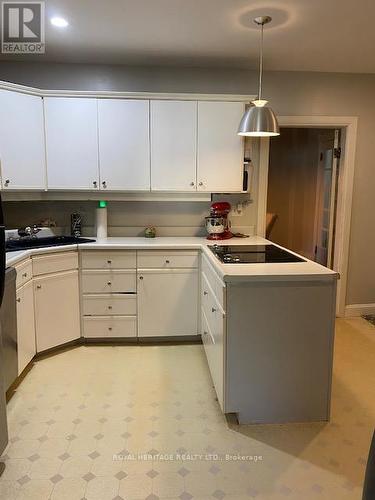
(71, 143)
(124, 148)
(108, 259)
(220, 149)
(114, 304)
(26, 348)
(173, 145)
(117, 281)
(159, 259)
(56, 299)
(214, 349)
(22, 152)
(110, 326)
(54, 262)
(167, 302)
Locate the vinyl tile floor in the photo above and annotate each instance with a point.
(142, 422)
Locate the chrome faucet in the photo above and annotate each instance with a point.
(29, 231)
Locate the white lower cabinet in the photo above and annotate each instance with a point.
(214, 349)
(56, 298)
(26, 348)
(109, 326)
(212, 331)
(167, 302)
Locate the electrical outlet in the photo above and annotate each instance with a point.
(237, 210)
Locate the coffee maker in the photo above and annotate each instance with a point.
(217, 223)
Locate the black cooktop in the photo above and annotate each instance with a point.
(45, 241)
(252, 254)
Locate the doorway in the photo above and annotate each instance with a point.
(344, 192)
(303, 176)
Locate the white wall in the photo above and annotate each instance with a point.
(290, 93)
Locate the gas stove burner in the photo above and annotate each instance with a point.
(253, 254)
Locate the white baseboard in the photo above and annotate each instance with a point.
(353, 310)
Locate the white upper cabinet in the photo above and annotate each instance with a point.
(124, 146)
(22, 152)
(71, 143)
(220, 149)
(173, 145)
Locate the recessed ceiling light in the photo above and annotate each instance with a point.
(60, 22)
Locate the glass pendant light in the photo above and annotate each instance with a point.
(259, 120)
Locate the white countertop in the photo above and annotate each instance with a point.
(293, 271)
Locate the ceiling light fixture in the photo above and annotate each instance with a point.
(259, 120)
(60, 22)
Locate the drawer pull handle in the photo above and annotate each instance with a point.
(141, 277)
(109, 262)
(213, 309)
(109, 307)
(110, 328)
(167, 262)
(18, 300)
(7, 183)
(95, 184)
(38, 287)
(205, 293)
(109, 282)
(24, 275)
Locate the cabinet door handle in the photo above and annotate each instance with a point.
(109, 307)
(38, 287)
(205, 333)
(18, 300)
(7, 182)
(95, 184)
(109, 283)
(24, 275)
(200, 184)
(192, 184)
(213, 310)
(167, 262)
(205, 293)
(109, 262)
(104, 184)
(141, 277)
(110, 328)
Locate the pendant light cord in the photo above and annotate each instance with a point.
(261, 63)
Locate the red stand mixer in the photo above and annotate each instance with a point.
(217, 223)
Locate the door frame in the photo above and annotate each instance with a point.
(348, 126)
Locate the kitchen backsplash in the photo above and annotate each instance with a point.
(128, 218)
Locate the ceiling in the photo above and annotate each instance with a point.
(306, 35)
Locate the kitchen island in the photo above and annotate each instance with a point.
(267, 328)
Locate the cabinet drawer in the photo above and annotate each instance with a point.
(215, 282)
(116, 259)
(110, 326)
(163, 260)
(215, 358)
(114, 304)
(24, 272)
(108, 281)
(213, 311)
(54, 263)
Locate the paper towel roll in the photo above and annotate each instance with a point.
(101, 223)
